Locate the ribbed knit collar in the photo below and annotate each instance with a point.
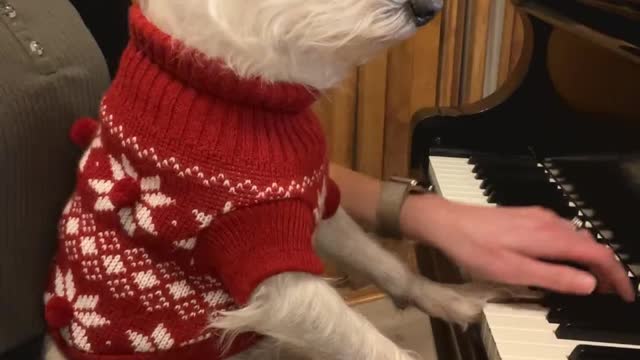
(191, 110)
(210, 75)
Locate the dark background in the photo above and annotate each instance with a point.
(108, 22)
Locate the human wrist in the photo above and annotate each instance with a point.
(421, 216)
(392, 196)
(359, 194)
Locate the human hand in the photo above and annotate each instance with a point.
(515, 246)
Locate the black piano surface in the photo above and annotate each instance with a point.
(529, 121)
(533, 114)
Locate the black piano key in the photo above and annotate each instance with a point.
(603, 318)
(627, 246)
(591, 302)
(516, 188)
(610, 196)
(583, 333)
(598, 317)
(596, 186)
(616, 322)
(635, 268)
(596, 352)
(502, 160)
(547, 195)
(547, 200)
(509, 173)
(507, 176)
(590, 213)
(521, 181)
(533, 189)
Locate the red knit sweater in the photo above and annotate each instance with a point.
(197, 186)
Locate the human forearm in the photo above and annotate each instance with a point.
(360, 195)
(501, 244)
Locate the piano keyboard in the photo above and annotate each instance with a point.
(561, 327)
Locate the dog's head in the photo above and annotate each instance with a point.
(313, 42)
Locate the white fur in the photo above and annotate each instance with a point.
(311, 42)
(314, 43)
(302, 313)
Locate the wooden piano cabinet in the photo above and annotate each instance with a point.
(602, 83)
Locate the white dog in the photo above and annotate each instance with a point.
(313, 43)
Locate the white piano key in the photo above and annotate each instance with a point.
(450, 159)
(531, 341)
(456, 181)
(520, 310)
(509, 331)
(467, 199)
(460, 175)
(522, 331)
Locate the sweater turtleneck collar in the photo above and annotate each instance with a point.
(211, 76)
(172, 99)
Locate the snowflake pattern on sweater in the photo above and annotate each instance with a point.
(184, 202)
(127, 274)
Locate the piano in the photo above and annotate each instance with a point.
(536, 141)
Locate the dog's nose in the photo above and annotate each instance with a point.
(425, 10)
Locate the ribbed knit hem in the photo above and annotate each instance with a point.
(207, 349)
(264, 265)
(250, 245)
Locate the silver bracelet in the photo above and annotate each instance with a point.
(393, 194)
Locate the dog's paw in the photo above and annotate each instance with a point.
(462, 303)
(412, 355)
(447, 302)
(399, 354)
(496, 293)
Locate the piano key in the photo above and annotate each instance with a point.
(555, 172)
(504, 160)
(516, 342)
(590, 352)
(607, 234)
(455, 180)
(514, 175)
(521, 330)
(589, 310)
(621, 321)
(599, 334)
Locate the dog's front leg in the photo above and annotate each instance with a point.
(50, 351)
(342, 240)
(301, 312)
